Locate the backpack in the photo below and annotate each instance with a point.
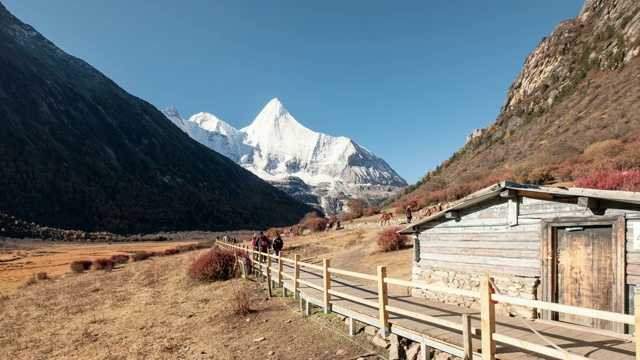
(277, 243)
(264, 242)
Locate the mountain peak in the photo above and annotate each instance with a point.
(171, 111)
(274, 116)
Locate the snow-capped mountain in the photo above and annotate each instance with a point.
(278, 148)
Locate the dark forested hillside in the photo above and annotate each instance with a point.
(77, 151)
(572, 113)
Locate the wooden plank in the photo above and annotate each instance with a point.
(556, 354)
(383, 301)
(480, 251)
(633, 269)
(310, 266)
(373, 304)
(516, 245)
(353, 274)
(568, 309)
(478, 268)
(534, 226)
(466, 337)
(636, 308)
(512, 211)
(431, 319)
(326, 276)
(310, 284)
(432, 287)
(482, 260)
(487, 320)
(507, 235)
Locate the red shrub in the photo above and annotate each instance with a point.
(79, 266)
(315, 224)
(217, 264)
(390, 240)
(103, 264)
(139, 256)
(120, 258)
(611, 180)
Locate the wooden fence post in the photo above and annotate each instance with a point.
(383, 301)
(296, 275)
(636, 312)
(488, 320)
(269, 274)
(279, 269)
(327, 285)
(466, 337)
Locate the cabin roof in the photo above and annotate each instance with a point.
(610, 198)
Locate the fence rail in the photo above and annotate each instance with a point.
(487, 331)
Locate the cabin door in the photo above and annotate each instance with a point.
(585, 272)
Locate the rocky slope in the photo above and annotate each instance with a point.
(571, 111)
(316, 168)
(79, 152)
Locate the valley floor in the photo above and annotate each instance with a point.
(151, 309)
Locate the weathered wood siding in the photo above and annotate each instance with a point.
(633, 256)
(482, 240)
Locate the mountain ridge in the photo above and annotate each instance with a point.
(77, 151)
(276, 147)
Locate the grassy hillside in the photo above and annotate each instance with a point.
(571, 114)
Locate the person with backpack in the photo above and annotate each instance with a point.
(278, 244)
(264, 244)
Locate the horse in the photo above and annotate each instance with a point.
(386, 217)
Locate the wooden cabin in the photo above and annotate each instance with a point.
(572, 246)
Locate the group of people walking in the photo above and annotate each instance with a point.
(262, 244)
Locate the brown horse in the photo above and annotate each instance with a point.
(386, 218)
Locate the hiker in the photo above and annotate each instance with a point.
(278, 244)
(263, 244)
(254, 245)
(409, 215)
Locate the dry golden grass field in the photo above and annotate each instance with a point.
(150, 309)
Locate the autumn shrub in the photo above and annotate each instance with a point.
(139, 256)
(540, 175)
(217, 264)
(79, 266)
(42, 276)
(170, 251)
(390, 240)
(192, 247)
(315, 224)
(103, 264)
(371, 210)
(611, 180)
(242, 298)
(120, 258)
(347, 216)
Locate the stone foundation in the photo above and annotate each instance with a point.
(516, 286)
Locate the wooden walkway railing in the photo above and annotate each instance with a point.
(324, 274)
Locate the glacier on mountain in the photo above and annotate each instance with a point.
(279, 149)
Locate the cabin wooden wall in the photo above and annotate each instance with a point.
(485, 240)
(633, 256)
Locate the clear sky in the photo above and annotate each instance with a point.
(409, 80)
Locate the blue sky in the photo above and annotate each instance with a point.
(409, 80)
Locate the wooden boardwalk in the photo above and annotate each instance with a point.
(578, 341)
